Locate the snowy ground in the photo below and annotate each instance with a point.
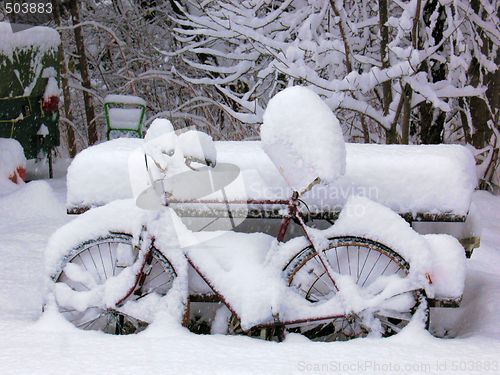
(30, 345)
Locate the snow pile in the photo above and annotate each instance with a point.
(34, 199)
(448, 265)
(43, 130)
(412, 178)
(234, 264)
(11, 157)
(101, 172)
(119, 216)
(198, 146)
(158, 127)
(303, 138)
(44, 38)
(52, 88)
(170, 151)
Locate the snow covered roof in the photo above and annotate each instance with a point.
(45, 38)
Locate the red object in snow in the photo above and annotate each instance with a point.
(18, 176)
(21, 172)
(50, 104)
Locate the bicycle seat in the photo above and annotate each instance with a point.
(303, 138)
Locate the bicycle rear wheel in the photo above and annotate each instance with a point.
(365, 262)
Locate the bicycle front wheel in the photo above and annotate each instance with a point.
(92, 264)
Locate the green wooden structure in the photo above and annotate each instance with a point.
(124, 114)
(29, 76)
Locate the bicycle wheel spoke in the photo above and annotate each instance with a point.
(348, 260)
(113, 263)
(95, 266)
(357, 270)
(83, 263)
(337, 256)
(390, 261)
(392, 326)
(82, 325)
(394, 315)
(371, 270)
(102, 262)
(362, 268)
(351, 327)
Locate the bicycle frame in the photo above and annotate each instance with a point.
(293, 213)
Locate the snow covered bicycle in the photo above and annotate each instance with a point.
(117, 267)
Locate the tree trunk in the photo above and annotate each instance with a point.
(384, 56)
(84, 71)
(478, 108)
(431, 124)
(70, 132)
(405, 123)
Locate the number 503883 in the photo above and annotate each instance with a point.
(28, 8)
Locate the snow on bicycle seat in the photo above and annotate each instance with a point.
(303, 138)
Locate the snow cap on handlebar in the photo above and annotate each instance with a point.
(178, 164)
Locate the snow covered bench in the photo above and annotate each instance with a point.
(421, 183)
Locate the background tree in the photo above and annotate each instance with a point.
(406, 71)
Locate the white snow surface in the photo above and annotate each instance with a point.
(52, 88)
(448, 266)
(198, 145)
(125, 118)
(11, 157)
(429, 178)
(303, 138)
(31, 345)
(125, 99)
